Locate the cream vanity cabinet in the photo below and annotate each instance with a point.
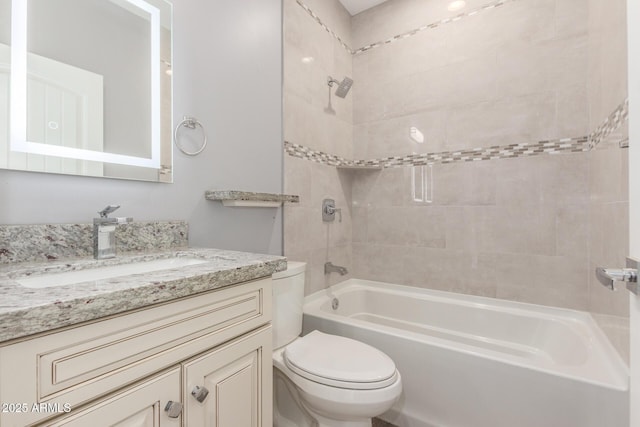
(203, 360)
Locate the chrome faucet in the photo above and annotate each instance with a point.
(330, 268)
(104, 233)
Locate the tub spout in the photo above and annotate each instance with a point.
(609, 276)
(330, 268)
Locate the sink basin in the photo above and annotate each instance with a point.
(102, 273)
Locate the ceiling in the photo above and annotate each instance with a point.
(356, 6)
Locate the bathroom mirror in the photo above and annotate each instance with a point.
(85, 87)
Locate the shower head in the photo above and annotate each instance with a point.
(343, 87)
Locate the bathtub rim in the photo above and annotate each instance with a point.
(619, 369)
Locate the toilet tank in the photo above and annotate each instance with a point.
(288, 297)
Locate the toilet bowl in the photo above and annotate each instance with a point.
(321, 379)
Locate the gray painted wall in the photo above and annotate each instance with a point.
(227, 73)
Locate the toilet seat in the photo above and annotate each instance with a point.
(339, 362)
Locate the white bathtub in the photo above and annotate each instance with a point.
(469, 361)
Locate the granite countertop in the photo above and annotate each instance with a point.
(25, 311)
(250, 196)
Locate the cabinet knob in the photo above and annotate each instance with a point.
(173, 409)
(200, 393)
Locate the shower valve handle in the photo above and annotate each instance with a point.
(329, 211)
(332, 211)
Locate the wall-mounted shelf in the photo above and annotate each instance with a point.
(359, 168)
(250, 199)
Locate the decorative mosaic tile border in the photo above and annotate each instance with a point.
(488, 6)
(574, 145)
(471, 155)
(487, 153)
(431, 26)
(306, 153)
(323, 25)
(612, 123)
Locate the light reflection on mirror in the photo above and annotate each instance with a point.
(90, 87)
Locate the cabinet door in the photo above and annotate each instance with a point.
(142, 405)
(238, 379)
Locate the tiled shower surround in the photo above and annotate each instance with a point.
(528, 182)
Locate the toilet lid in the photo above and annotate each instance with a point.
(339, 362)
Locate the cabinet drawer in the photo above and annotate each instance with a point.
(139, 405)
(79, 364)
(85, 360)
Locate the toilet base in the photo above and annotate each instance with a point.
(290, 411)
(324, 422)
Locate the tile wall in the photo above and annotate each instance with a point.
(497, 228)
(514, 74)
(311, 54)
(608, 166)
(503, 79)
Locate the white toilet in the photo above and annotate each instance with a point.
(320, 379)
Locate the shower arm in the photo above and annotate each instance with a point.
(331, 81)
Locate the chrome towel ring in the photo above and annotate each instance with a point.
(190, 123)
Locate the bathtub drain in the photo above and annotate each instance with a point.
(335, 303)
